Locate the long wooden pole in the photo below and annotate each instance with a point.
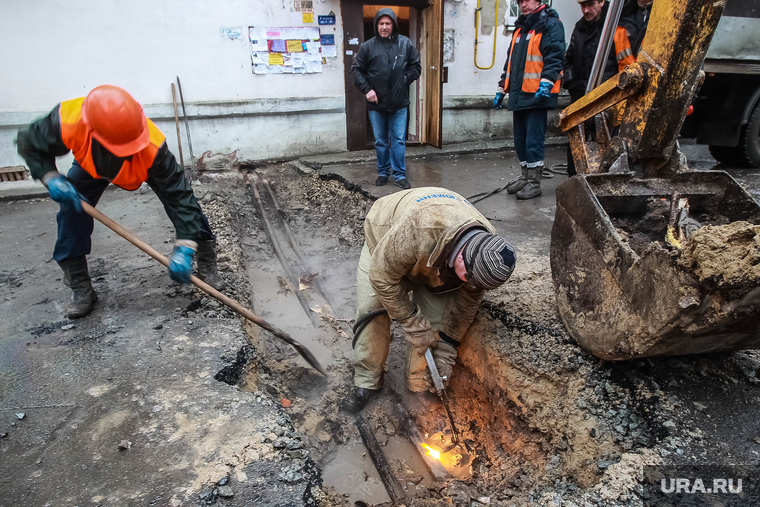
(176, 123)
(231, 303)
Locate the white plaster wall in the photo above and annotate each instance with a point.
(54, 49)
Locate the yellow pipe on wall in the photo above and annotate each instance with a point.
(477, 20)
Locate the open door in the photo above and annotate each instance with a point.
(432, 74)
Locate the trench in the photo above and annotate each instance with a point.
(519, 440)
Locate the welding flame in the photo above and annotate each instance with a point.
(432, 452)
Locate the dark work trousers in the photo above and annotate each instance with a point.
(75, 229)
(529, 128)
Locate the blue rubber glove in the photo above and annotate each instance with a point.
(181, 264)
(544, 90)
(497, 100)
(63, 192)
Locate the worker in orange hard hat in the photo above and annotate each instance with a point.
(112, 142)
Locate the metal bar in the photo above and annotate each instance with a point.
(378, 458)
(605, 42)
(187, 128)
(176, 123)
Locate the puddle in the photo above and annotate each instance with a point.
(352, 472)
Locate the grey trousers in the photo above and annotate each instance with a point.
(372, 345)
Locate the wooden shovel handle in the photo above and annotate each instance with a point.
(231, 303)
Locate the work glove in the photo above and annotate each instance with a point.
(62, 191)
(418, 331)
(544, 89)
(444, 355)
(498, 99)
(181, 263)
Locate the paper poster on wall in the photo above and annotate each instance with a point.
(285, 50)
(329, 51)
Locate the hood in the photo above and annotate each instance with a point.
(541, 14)
(386, 12)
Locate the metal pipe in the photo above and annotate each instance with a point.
(269, 230)
(495, 36)
(605, 42)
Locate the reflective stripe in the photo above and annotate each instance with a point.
(624, 53)
(531, 75)
(534, 58)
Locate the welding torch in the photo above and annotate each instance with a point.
(441, 390)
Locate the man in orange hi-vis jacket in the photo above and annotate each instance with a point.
(112, 142)
(531, 78)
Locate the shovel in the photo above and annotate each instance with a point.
(231, 303)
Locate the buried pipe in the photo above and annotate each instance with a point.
(251, 182)
(378, 458)
(295, 245)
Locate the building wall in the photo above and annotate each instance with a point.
(53, 50)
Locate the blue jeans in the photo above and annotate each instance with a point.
(75, 229)
(529, 128)
(389, 128)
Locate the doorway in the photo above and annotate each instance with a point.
(408, 25)
(417, 19)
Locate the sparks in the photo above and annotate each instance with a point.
(432, 452)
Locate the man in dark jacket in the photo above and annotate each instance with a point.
(112, 142)
(531, 77)
(579, 58)
(383, 69)
(635, 19)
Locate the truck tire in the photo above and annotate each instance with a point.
(749, 141)
(729, 155)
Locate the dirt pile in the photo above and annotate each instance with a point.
(725, 256)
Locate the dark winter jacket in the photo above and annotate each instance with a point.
(41, 142)
(635, 19)
(544, 21)
(387, 66)
(579, 58)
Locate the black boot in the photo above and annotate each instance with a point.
(77, 278)
(533, 187)
(358, 399)
(206, 257)
(518, 183)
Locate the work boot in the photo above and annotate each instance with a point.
(77, 278)
(533, 187)
(206, 257)
(518, 183)
(358, 399)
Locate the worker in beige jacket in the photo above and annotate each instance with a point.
(434, 243)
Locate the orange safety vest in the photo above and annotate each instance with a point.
(623, 51)
(78, 139)
(534, 63)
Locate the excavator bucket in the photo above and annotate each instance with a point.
(626, 288)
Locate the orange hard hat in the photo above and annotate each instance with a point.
(116, 120)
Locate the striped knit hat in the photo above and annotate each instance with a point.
(489, 260)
